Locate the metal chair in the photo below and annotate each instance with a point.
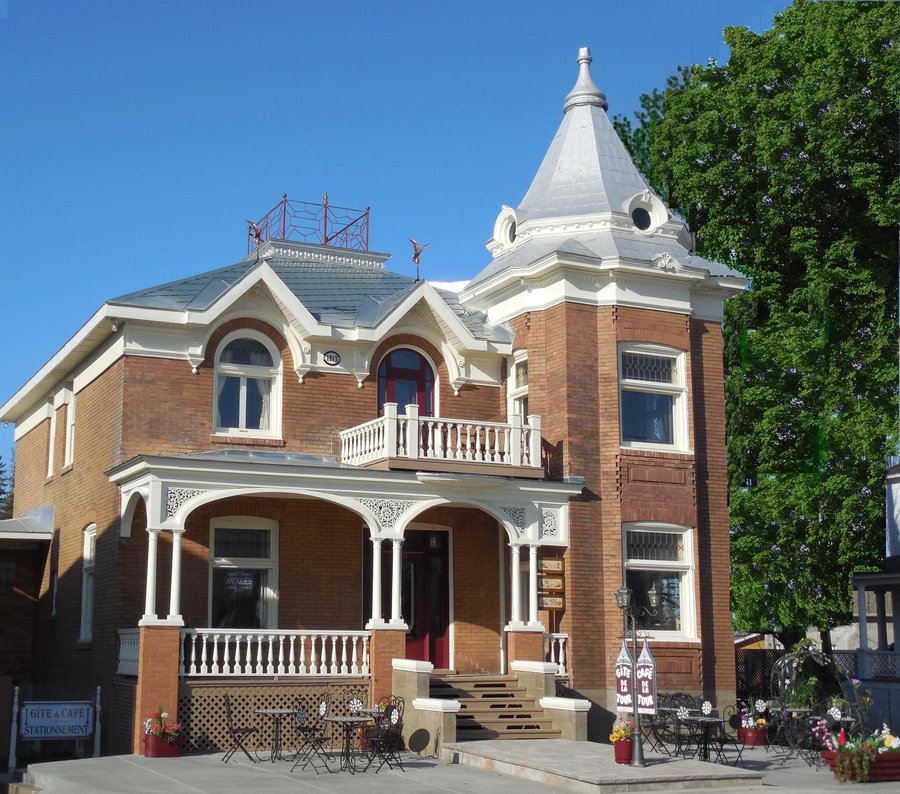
(238, 734)
(312, 736)
(386, 736)
(725, 738)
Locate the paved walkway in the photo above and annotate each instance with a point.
(512, 767)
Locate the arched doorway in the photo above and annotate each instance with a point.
(404, 377)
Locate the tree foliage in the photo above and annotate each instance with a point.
(785, 162)
(6, 491)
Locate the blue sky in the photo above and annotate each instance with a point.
(136, 136)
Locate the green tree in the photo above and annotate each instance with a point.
(785, 162)
(6, 491)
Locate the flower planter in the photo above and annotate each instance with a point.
(623, 750)
(752, 737)
(883, 767)
(157, 747)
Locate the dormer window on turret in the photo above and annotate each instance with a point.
(248, 366)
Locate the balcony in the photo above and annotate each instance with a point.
(410, 441)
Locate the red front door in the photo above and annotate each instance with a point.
(425, 597)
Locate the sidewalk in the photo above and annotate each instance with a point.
(505, 767)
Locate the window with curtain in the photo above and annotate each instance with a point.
(652, 397)
(247, 375)
(659, 570)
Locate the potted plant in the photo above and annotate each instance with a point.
(162, 739)
(752, 732)
(622, 738)
(860, 758)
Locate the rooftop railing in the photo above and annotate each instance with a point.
(306, 222)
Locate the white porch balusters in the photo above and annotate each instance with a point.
(396, 560)
(515, 582)
(532, 586)
(376, 617)
(175, 585)
(150, 593)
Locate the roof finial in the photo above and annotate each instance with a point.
(585, 91)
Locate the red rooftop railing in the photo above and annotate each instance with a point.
(303, 221)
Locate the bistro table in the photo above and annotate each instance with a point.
(350, 724)
(276, 715)
(705, 723)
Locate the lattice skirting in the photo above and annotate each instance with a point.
(201, 709)
(121, 723)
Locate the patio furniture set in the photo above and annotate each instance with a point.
(353, 741)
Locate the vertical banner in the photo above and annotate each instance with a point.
(623, 680)
(646, 681)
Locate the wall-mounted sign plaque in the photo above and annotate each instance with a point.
(551, 602)
(552, 565)
(552, 583)
(332, 358)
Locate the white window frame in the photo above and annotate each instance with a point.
(685, 567)
(269, 564)
(244, 371)
(515, 395)
(677, 390)
(88, 567)
(69, 447)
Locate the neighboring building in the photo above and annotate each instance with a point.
(303, 464)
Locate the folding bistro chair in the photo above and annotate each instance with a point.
(238, 735)
(725, 739)
(386, 736)
(312, 734)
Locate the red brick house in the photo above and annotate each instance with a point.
(302, 466)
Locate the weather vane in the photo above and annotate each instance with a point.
(417, 253)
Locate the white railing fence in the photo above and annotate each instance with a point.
(555, 651)
(408, 435)
(223, 652)
(129, 651)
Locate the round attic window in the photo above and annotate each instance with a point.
(512, 232)
(641, 218)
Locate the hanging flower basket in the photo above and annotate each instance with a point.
(160, 747)
(752, 737)
(623, 749)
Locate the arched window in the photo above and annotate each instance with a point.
(404, 377)
(88, 557)
(247, 370)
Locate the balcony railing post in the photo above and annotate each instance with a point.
(515, 446)
(534, 440)
(390, 429)
(413, 438)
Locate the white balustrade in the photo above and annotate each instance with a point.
(437, 438)
(555, 651)
(129, 651)
(258, 652)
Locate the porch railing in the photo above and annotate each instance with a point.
(435, 438)
(244, 653)
(129, 650)
(555, 651)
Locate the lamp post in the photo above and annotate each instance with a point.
(629, 610)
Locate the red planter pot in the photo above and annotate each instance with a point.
(623, 751)
(752, 737)
(883, 767)
(157, 747)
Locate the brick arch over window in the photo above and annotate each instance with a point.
(418, 344)
(239, 323)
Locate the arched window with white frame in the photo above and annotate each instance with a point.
(247, 383)
(88, 560)
(659, 569)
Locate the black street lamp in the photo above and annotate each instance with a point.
(629, 610)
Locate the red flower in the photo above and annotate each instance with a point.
(842, 738)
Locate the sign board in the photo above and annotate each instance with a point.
(551, 565)
(552, 583)
(646, 681)
(56, 719)
(332, 358)
(551, 602)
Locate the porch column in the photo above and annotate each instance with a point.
(515, 584)
(895, 618)
(863, 632)
(150, 592)
(880, 616)
(175, 584)
(376, 617)
(396, 560)
(532, 586)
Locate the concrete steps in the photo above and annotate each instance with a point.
(493, 707)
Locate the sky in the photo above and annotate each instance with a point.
(136, 136)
